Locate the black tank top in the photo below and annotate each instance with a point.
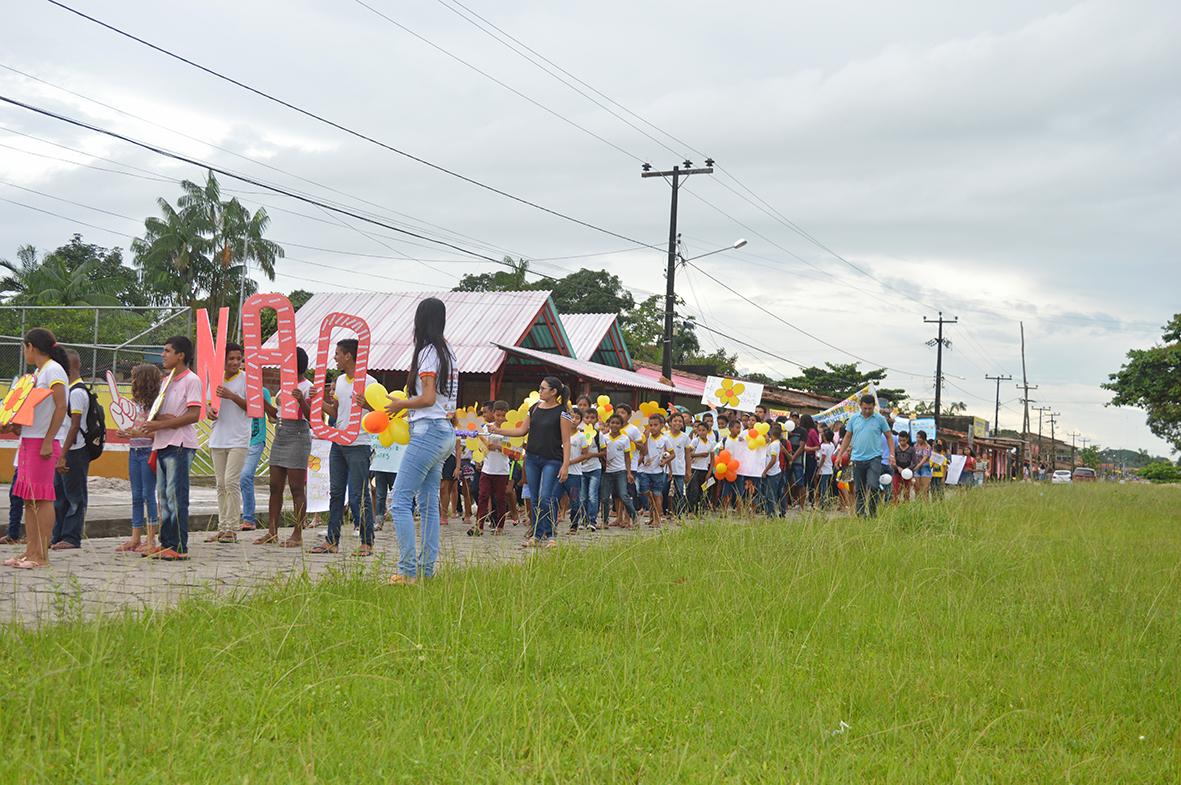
(545, 431)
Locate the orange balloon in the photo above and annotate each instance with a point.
(731, 476)
(724, 456)
(752, 434)
(733, 464)
(375, 421)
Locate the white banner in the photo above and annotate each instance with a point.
(848, 407)
(727, 393)
(318, 486)
(955, 468)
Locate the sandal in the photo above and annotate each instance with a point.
(127, 547)
(324, 547)
(290, 543)
(267, 539)
(6, 540)
(27, 564)
(13, 561)
(364, 550)
(475, 532)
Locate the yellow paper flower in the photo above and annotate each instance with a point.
(729, 393)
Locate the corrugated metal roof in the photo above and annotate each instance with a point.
(474, 319)
(606, 374)
(693, 383)
(771, 395)
(586, 331)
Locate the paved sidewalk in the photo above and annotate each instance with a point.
(95, 580)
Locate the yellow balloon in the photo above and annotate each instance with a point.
(386, 437)
(376, 396)
(400, 430)
(603, 400)
(763, 428)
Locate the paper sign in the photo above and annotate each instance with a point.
(955, 468)
(727, 393)
(21, 401)
(156, 404)
(211, 357)
(318, 485)
(281, 357)
(846, 408)
(123, 410)
(322, 430)
(387, 459)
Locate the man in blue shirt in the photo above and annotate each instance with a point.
(864, 433)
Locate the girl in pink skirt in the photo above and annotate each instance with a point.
(40, 446)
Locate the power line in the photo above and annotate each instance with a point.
(340, 127)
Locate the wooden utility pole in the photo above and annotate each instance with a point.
(996, 413)
(939, 343)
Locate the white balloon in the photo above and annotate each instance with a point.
(789, 426)
(886, 479)
(907, 474)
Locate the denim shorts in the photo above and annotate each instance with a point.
(797, 473)
(651, 482)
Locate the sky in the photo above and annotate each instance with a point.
(1002, 163)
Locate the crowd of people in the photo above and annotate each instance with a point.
(568, 460)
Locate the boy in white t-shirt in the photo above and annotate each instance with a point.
(701, 455)
(229, 441)
(679, 441)
(617, 473)
(571, 492)
(656, 453)
(733, 441)
(495, 472)
(73, 467)
(773, 499)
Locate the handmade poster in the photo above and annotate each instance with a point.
(846, 408)
(924, 424)
(281, 356)
(318, 486)
(21, 401)
(211, 357)
(902, 425)
(386, 459)
(342, 433)
(955, 468)
(727, 393)
(156, 404)
(123, 410)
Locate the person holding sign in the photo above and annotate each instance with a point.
(40, 447)
(172, 424)
(289, 460)
(228, 444)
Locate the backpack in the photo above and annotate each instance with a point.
(94, 430)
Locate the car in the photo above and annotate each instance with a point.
(1084, 474)
(1060, 476)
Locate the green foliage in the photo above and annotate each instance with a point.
(643, 329)
(1004, 636)
(1089, 456)
(920, 408)
(1161, 471)
(839, 380)
(75, 274)
(267, 321)
(510, 280)
(1151, 380)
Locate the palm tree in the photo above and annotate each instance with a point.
(18, 280)
(54, 283)
(247, 243)
(172, 256)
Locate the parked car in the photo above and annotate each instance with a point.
(1060, 476)
(1084, 474)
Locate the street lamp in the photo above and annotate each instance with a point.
(666, 366)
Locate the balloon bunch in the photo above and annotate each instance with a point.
(756, 437)
(726, 467)
(604, 406)
(649, 408)
(389, 430)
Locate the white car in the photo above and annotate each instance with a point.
(1060, 476)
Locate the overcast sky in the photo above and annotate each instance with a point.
(999, 161)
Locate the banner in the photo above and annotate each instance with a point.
(848, 407)
(387, 459)
(726, 393)
(911, 427)
(955, 468)
(318, 487)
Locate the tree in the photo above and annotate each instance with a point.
(55, 281)
(1089, 456)
(18, 281)
(840, 380)
(1160, 471)
(510, 280)
(643, 329)
(1151, 380)
(105, 269)
(589, 291)
(928, 407)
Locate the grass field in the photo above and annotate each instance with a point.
(1012, 635)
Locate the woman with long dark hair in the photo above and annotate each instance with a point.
(40, 446)
(811, 447)
(432, 386)
(547, 455)
(289, 459)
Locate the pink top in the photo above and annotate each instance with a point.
(812, 439)
(184, 391)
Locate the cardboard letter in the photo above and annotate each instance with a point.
(282, 357)
(321, 430)
(211, 357)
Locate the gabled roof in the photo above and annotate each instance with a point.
(473, 320)
(604, 374)
(597, 337)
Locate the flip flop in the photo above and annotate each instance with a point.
(25, 564)
(13, 561)
(291, 544)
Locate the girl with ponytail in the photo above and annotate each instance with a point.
(41, 446)
(547, 455)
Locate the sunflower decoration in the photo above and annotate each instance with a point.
(730, 392)
(22, 393)
(313, 463)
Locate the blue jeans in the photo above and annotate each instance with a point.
(143, 487)
(616, 484)
(431, 441)
(544, 487)
(348, 468)
(650, 482)
(825, 489)
(572, 490)
(591, 482)
(246, 481)
(773, 493)
(172, 469)
(867, 481)
(750, 491)
(70, 505)
(677, 503)
(16, 511)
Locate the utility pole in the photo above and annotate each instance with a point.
(1073, 435)
(939, 343)
(670, 295)
(996, 415)
(1041, 447)
(1026, 401)
(1053, 417)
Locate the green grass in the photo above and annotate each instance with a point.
(1014, 635)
